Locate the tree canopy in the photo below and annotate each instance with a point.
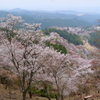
(72, 38)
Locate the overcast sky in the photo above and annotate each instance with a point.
(49, 4)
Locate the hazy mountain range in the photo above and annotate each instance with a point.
(55, 18)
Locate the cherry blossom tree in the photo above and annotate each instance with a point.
(20, 50)
(63, 72)
(96, 69)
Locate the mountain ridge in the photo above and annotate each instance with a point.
(55, 18)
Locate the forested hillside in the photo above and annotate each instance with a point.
(72, 38)
(94, 39)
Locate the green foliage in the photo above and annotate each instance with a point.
(94, 39)
(44, 94)
(34, 91)
(72, 38)
(59, 48)
(47, 92)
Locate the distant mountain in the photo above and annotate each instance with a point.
(3, 14)
(15, 10)
(55, 18)
(69, 12)
(91, 18)
(57, 22)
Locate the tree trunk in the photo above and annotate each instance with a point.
(24, 95)
(62, 98)
(56, 96)
(30, 94)
(48, 97)
(48, 94)
(59, 98)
